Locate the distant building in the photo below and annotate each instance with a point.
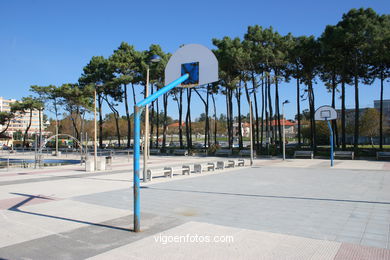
(289, 128)
(245, 129)
(350, 113)
(20, 122)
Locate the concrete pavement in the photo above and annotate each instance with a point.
(298, 209)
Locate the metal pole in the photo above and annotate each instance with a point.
(35, 150)
(81, 148)
(95, 133)
(146, 132)
(56, 137)
(251, 127)
(136, 156)
(136, 187)
(284, 135)
(331, 143)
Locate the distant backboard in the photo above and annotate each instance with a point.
(325, 113)
(197, 61)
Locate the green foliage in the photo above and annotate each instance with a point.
(369, 123)
(5, 117)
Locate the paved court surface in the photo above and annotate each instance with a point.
(299, 209)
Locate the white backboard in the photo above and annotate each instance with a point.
(197, 55)
(325, 113)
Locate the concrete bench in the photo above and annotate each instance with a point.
(303, 154)
(384, 155)
(240, 162)
(180, 152)
(224, 152)
(243, 153)
(201, 167)
(186, 169)
(155, 151)
(344, 154)
(167, 171)
(220, 165)
(231, 163)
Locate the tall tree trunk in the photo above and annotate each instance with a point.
(254, 85)
(215, 119)
(116, 117)
(262, 114)
(228, 108)
(231, 117)
(356, 134)
(381, 115)
(343, 123)
(181, 118)
(299, 112)
(73, 116)
(312, 121)
(28, 128)
(127, 117)
(334, 122)
(249, 102)
(188, 120)
(271, 116)
(267, 128)
(277, 111)
(165, 123)
(100, 121)
(238, 98)
(206, 109)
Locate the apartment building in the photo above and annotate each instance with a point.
(21, 120)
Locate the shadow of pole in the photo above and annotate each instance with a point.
(15, 208)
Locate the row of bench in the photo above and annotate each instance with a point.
(196, 168)
(304, 154)
(340, 154)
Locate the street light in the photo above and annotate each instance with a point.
(155, 58)
(284, 134)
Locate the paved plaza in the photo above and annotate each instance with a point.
(294, 209)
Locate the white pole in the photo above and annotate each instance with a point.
(284, 135)
(146, 132)
(56, 137)
(95, 132)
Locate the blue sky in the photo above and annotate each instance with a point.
(46, 42)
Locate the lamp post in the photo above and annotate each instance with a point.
(251, 128)
(155, 59)
(284, 133)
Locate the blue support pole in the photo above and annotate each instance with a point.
(137, 136)
(331, 143)
(162, 91)
(136, 187)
